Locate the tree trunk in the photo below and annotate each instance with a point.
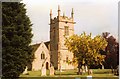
(79, 69)
(112, 69)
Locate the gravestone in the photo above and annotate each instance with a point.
(25, 72)
(52, 71)
(90, 71)
(80, 73)
(83, 67)
(43, 71)
(86, 69)
(83, 71)
(102, 66)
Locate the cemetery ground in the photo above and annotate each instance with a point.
(72, 74)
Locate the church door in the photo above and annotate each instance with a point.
(47, 65)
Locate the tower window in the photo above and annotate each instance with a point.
(66, 30)
(42, 55)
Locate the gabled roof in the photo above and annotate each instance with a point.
(35, 46)
(47, 44)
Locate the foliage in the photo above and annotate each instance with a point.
(86, 49)
(112, 51)
(16, 39)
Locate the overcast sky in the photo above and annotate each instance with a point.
(91, 16)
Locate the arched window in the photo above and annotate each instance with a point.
(42, 55)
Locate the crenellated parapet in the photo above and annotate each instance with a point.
(60, 18)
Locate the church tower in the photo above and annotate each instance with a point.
(60, 28)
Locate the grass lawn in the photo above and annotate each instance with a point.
(71, 74)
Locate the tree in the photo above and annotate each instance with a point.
(16, 39)
(86, 49)
(112, 51)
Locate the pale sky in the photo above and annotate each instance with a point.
(91, 16)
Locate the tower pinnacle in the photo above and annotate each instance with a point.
(58, 10)
(72, 13)
(50, 15)
(63, 14)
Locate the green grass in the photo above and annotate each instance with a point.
(71, 74)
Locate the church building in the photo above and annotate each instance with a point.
(54, 52)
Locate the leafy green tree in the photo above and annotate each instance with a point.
(86, 49)
(16, 39)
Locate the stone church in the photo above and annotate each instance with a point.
(54, 52)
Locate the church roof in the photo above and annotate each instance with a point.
(35, 46)
(47, 44)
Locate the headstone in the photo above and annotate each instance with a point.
(43, 71)
(25, 72)
(83, 67)
(86, 69)
(52, 71)
(102, 66)
(90, 71)
(81, 71)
